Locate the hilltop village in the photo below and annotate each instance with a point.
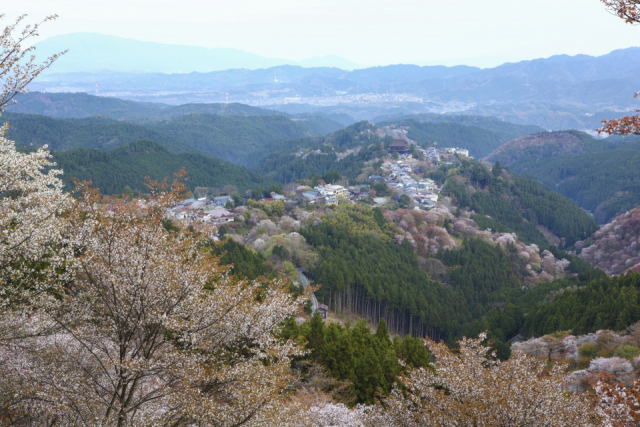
(405, 188)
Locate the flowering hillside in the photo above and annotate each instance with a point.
(615, 248)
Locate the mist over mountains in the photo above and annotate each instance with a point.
(93, 52)
(559, 92)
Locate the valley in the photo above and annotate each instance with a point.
(194, 236)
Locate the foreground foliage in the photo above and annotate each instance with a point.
(151, 330)
(471, 388)
(368, 362)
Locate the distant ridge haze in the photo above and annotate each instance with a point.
(558, 92)
(94, 52)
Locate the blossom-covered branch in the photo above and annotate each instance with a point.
(153, 331)
(18, 66)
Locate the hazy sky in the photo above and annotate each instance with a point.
(368, 32)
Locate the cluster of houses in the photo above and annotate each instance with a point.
(424, 192)
(328, 194)
(456, 150)
(433, 154)
(211, 211)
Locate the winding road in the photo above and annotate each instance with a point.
(305, 284)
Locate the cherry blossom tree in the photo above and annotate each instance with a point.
(471, 387)
(153, 331)
(32, 227)
(617, 404)
(18, 66)
(32, 244)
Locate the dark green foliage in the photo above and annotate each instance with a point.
(607, 183)
(501, 324)
(596, 302)
(234, 137)
(285, 167)
(368, 360)
(518, 205)
(505, 130)
(379, 217)
(246, 262)
(412, 351)
(404, 201)
(238, 139)
(381, 188)
(497, 170)
(360, 271)
(95, 132)
(129, 164)
(332, 177)
(281, 251)
(481, 273)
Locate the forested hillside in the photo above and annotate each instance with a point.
(506, 130)
(82, 105)
(363, 271)
(345, 151)
(601, 176)
(366, 268)
(615, 247)
(606, 183)
(238, 139)
(94, 132)
(480, 135)
(510, 203)
(129, 164)
(547, 145)
(587, 304)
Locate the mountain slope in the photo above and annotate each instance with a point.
(602, 176)
(243, 140)
(96, 132)
(477, 140)
(129, 164)
(506, 130)
(615, 248)
(79, 105)
(559, 92)
(512, 203)
(546, 145)
(82, 105)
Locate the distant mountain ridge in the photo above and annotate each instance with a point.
(560, 92)
(92, 52)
